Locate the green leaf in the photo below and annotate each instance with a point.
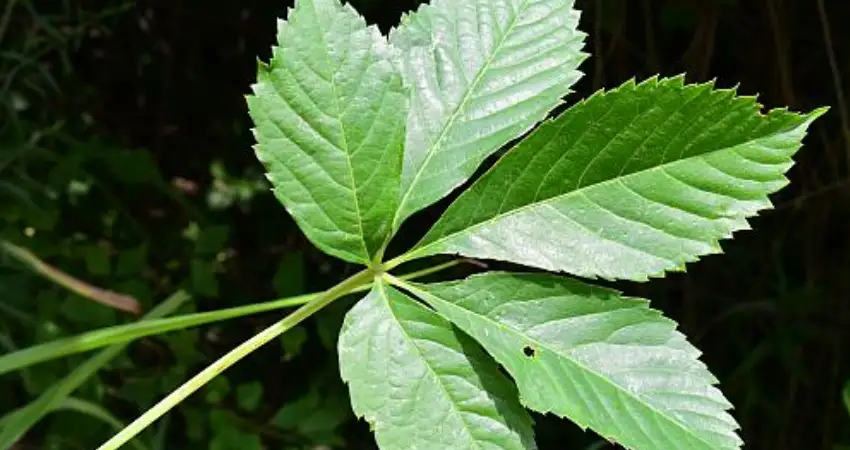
(483, 72)
(627, 184)
(217, 390)
(249, 395)
(319, 414)
(290, 275)
(227, 436)
(329, 114)
(421, 384)
(203, 277)
(293, 341)
(84, 312)
(604, 361)
(132, 261)
(212, 239)
(97, 260)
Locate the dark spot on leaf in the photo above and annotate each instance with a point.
(529, 351)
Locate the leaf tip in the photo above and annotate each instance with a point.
(817, 113)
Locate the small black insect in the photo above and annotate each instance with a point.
(529, 351)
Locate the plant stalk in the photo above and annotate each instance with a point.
(235, 355)
(125, 333)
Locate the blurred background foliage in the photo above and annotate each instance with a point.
(125, 160)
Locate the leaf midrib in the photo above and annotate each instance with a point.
(617, 179)
(516, 333)
(347, 149)
(457, 112)
(382, 288)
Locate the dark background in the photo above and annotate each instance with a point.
(126, 161)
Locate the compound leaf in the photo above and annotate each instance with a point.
(482, 72)
(329, 113)
(604, 361)
(423, 385)
(627, 184)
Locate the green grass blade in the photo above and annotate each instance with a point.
(98, 412)
(125, 333)
(19, 422)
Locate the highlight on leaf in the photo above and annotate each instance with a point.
(329, 113)
(482, 72)
(586, 353)
(628, 184)
(420, 383)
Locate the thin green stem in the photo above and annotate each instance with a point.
(401, 283)
(234, 356)
(125, 333)
(432, 270)
(395, 262)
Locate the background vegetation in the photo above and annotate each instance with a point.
(125, 161)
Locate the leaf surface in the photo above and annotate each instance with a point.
(482, 72)
(604, 361)
(627, 184)
(329, 113)
(422, 385)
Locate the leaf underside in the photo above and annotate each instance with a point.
(627, 184)
(329, 113)
(421, 384)
(482, 72)
(604, 361)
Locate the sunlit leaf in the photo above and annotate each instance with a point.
(420, 384)
(483, 72)
(604, 361)
(329, 112)
(627, 184)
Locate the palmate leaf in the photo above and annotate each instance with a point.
(330, 113)
(421, 384)
(627, 184)
(482, 72)
(604, 361)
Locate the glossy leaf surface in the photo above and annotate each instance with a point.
(330, 113)
(604, 361)
(627, 184)
(421, 384)
(483, 72)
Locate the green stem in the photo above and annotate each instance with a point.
(125, 333)
(233, 357)
(401, 283)
(431, 270)
(397, 261)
